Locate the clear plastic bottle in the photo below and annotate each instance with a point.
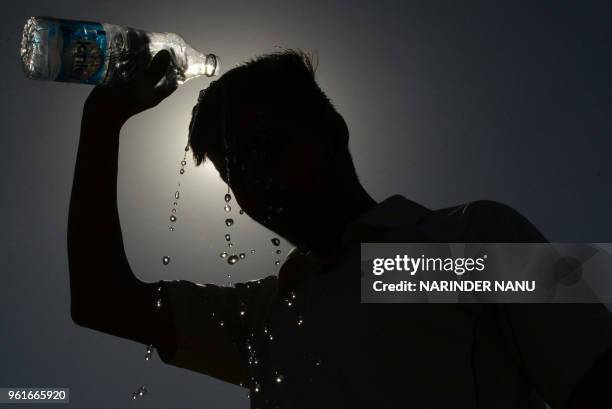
(100, 53)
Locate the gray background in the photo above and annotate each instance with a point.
(446, 103)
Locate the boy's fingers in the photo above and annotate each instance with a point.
(167, 87)
(158, 68)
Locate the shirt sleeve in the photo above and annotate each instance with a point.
(211, 323)
(556, 345)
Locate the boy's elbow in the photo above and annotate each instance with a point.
(80, 316)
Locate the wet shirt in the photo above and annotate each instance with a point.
(308, 341)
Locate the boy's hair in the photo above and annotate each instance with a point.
(281, 83)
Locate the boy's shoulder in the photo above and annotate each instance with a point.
(479, 221)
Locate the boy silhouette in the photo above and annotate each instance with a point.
(303, 339)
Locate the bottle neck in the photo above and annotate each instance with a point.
(200, 64)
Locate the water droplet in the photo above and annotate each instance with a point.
(275, 241)
(279, 378)
(173, 218)
(140, 392)
(241, 211)
(271, 338)
(242, 255)
(242, 312)
(229, 222)
(182, 171)
(229, 275)
(165, 260)
(183, 162)
(221, 323)
(177, 195)
(230, 244)
(173, 210)
(233, 259)
(227, 237)
(278, 251)
(158, 304)
(148, 352)
(223, 255)
(252, 251)
(276, 263)
(171, 228)
(187, 148)
(300, 321)
(227, 197)
(227, 208)
(175, 204)
(256, 388)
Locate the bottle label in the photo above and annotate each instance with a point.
(82, 53)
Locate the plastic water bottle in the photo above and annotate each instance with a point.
(100, 53)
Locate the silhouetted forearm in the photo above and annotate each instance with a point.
(94, 234)
(105, 293)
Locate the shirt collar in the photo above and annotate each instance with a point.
(393, 211)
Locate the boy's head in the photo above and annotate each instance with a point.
(276, 139)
